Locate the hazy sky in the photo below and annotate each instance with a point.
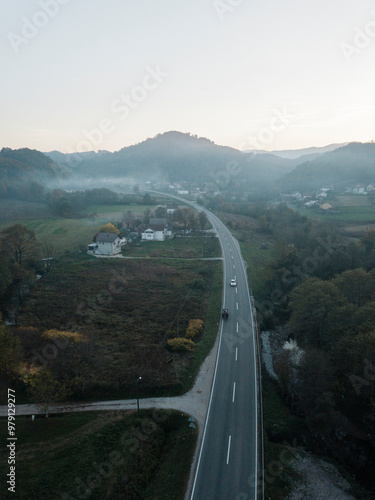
(95, 74)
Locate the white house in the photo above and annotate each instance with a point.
(107, 244)
(155, 233)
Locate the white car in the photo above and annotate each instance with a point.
(233, 282)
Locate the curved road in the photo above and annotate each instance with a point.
(227, 464)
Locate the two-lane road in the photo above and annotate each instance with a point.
(227, 464)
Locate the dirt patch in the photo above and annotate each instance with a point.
(320, 481)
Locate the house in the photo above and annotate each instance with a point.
(359, 189)
(107, 244)
(155, 233)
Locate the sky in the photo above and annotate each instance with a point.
(80, 75)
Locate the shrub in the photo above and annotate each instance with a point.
(194, 328)
(181, 344)
(61, 336)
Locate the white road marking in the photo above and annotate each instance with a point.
(232, 257)
(230, 439)
(237, 327)
(234, 392)
(237, 306)
(236, 353)
(236, 290)
(234, 267)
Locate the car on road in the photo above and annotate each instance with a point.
(233, 282)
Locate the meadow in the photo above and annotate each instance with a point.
(101, 455)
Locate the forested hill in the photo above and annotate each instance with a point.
(175, 156)
(352, 164)
(21, 166)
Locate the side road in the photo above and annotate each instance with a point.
(195, 403)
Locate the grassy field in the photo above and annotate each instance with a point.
(101, 455)
(346, 214)
(188, 247)
(351, 201)
(117, 210)
(127, 309)
(65, 234)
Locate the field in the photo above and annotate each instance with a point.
(346, 213)
(116, 211)
(101, 455)
(127, 309)
(66, 235)
(187, 247)
(351, 201)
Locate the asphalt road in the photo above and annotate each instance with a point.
(227, 464)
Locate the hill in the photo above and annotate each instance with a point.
(175, 156)
(349, 165)
(21, 167)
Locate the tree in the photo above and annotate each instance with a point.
(44, 390)
(186, 216)
(109, 228)
(202, 220)
(146, 215)
(161, 212)
(19, 244)
(368, 241)
(11, 353)
(49, 253)
(357, 285)
(147, 200)
(314, 304)
(5, 275)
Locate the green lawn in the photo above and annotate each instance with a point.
(65, 234)
(101, 455)
(189, 247)
(361, 214)
(117, 209)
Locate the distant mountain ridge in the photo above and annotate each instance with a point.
(298, 153)
(352, 164)
(175, 156)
